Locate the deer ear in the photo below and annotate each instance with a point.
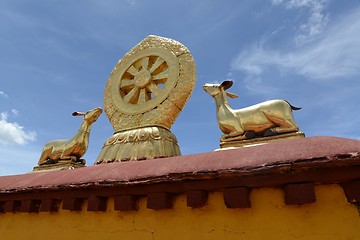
(78, 114)
(231, 95)
(227, 84)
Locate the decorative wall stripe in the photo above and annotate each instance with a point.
(126, 203)
(50, 205)
(196, 199)
(30, 205)
(73, 204)
(234, 197)
(352, 191)
(237, 197)
(96, 203)
(158, 201)
(2, 206)
(301, 193)
(12, 206)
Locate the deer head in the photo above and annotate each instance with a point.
(90, 116)
(216, 89)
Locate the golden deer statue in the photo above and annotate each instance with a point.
(261, 120)
(74, 148)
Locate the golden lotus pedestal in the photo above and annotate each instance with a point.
(139, 144)
(61, 165)
(259, 141)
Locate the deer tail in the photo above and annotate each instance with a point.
(293, 107)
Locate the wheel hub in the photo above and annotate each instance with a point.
(142, 78)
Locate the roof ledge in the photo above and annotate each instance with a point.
(295, 165)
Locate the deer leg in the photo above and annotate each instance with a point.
(69, 158)
(235, 136)
(45, 156)
(224, 138)
(283, 125)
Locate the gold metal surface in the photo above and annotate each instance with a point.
(259, 140)
(73, 149)
(150, 85)
(139, 144)
(145, 80)
(144, 94)
(263, 120)
(60, 165)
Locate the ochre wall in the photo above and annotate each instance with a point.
(330, 217)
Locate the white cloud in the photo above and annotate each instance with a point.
(316, 22)
(336, 55)
(3, 94)
(15, 112)
(12, 132)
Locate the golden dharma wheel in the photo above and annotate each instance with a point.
(144, 94)
(145, 80)
(150, 85)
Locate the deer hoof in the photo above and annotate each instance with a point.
(82, 161)
(249, 134)
(48, 162)
(269, 133)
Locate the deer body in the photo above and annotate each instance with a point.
(266, 118)
(74, 148)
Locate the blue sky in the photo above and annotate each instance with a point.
(56, 57)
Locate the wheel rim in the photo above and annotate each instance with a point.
(139, 84)
(145, 80)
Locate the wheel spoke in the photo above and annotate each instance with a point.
(145, 63)
(161, 75)
(126, 83)
(132, 70)
(144, 79)
(143, 97)
(156, 64)
(132, 95)
(153, 88)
